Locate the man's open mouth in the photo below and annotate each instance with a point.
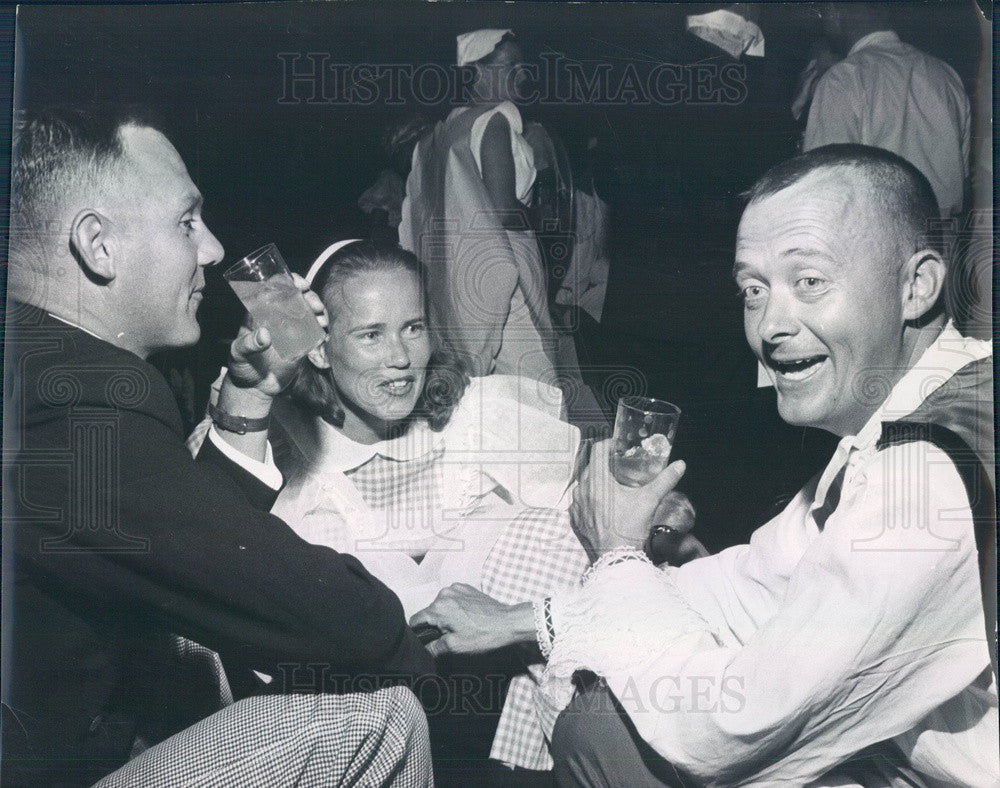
(796, 369)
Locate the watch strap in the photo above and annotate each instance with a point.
(241, 425)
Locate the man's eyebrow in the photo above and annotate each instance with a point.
(190, 201)
(807, 252)
(739, 267)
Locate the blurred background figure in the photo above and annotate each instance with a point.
(465, 216)
(552, 206)
(382, 202)
(579, 300)
(889, 94)
(565, 220)
(821, 57)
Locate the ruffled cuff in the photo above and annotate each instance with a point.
(618, 555)
(544, 631)
(626, 613)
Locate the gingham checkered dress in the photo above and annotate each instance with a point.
(501, 419)
(408, 491)
(535, 555)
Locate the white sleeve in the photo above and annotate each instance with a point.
(524, 157)
(624, 614)
(833, 115)
(881, 624)
(266, 471)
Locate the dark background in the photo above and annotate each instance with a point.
(291, 172)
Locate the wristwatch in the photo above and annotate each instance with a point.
(241, 425)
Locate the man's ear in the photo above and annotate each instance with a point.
(317, 357)
(923, 277)
(94, 243)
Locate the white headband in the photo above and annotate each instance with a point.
(478, 44)
(326, 255)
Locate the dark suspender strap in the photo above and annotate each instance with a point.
(982, 500)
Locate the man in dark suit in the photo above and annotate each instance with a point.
(115, 540)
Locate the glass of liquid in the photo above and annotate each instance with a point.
(643, 436)
(263, 283)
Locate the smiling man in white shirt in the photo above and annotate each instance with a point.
(850, 641)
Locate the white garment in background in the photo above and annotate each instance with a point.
(524, 157)
(731, 32)
(477, 44)
(585, 284)
(890, 95)
(842, 624)
(486, 284)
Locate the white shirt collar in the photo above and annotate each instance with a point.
(874, 39)
(949, 352)
(74, 325)
(346, 454)
(334, 452)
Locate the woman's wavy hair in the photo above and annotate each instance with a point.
(315, 391)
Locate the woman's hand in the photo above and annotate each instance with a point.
(253, 362)
(473, 622)
(607, 515)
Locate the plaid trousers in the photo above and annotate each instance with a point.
(361, 739)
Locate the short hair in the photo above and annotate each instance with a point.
(315, 390)
(899, 188)
(60, 149)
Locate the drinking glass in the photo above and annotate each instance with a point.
(263, 283)
(643, 436)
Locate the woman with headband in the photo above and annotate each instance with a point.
(391, 453)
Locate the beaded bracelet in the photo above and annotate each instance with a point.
(614, 557)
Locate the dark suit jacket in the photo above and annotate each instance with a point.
(117, 536)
